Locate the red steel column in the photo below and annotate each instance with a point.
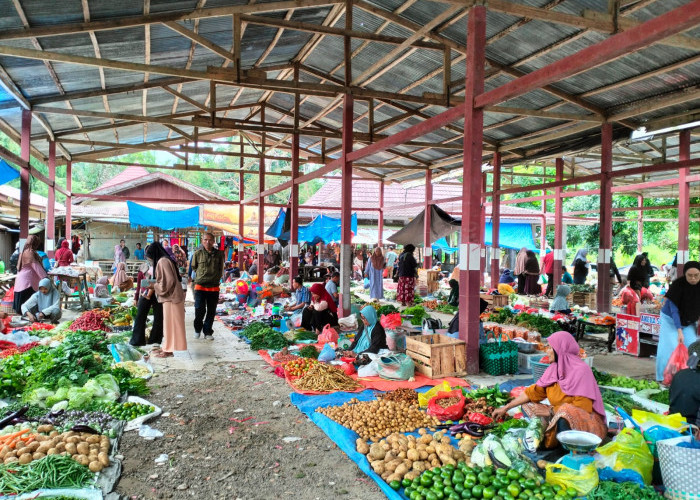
(469, 249)
(241, 215)
(380, 217)
(427, 244)
(24, 173)
(640, 224)
(293, 212)
(69, 198)
(558, 226)
(482, 223)
(496, 221)
(605, 246)
(346, 174)
(261, 208)
(683, 200)
(50, 232)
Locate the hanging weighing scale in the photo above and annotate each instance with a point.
(580, 445)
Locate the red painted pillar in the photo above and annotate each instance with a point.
(683, 200)
(496, 221)
(482, 223)
(261, 218)
(69, 199)
(293, 212)
(605, 246)
(427, 243)
(24, 173)
(558, 226)
(380, 217)
(470, 246)
(50, 232)
(241, 217)
(640, 224)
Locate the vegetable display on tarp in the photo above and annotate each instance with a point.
(54, 471)
(91, 321)
(609, 490)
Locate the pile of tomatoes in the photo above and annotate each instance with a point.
(299, 367)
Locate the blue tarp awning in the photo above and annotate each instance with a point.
(140, 215)
(322, 229)
(516, 236)
(277, 227)
(7, 173)
(442, 244)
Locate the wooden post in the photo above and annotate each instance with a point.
(605, 247)
(50, 231)
(24, 173)
(293, 212)
(469, 249)
(496, 221)
(558, 227)
(683, 200)
(427, 244)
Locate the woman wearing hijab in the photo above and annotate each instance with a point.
(169, 293)
(101, 291)
(29, 272)
(453, 299)
(118, 257)
(679, 315)
(580, 264)
(64, 256)
(532, 274)
(122, 280)
(560, 304)
(506, 277)
(322, 309)
(357, 266)
(637, 274)
(373, 337)
(375, 272)
(519, 270)
(407, 271)
(684, 393)
(568, 383)
(180, 257)
(146, 300)
(44, 305)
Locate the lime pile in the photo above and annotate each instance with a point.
(128, 411)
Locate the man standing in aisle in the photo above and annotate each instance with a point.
(390, 262)
(125, 249)
(208, 266)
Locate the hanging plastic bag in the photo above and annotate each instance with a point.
(396, 367)
(451, 412)
(425, 397)
(677, 362)
(326, 354)
(391, 321)
(328, 335)
(627, 458)
(584, 480)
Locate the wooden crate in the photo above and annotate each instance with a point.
(495, 300)
(438, 355)
(584, 299)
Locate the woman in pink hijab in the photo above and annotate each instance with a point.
(574, 398)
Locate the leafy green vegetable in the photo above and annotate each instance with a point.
(502, 316)
(387, 309)
(545, 326)
(418, 313)
(625, 402)
(662, 397)
(447, 308)
(304, 335)
(267, 338)
(608, 490)
(631, 383)
(308, 351)
(601, 377)
(582, 288)
(494, 396)
(514, 423)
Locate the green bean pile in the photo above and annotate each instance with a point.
(52, 471)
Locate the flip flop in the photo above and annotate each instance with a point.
(163, 354)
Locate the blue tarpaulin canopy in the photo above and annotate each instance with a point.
(140, 215)
(513, 235)
(277, 227)
(7, 173)
(442, 244)
(322, 229)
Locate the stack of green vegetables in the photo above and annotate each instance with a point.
(625, 382)
(614, 399)
(268, 338)
(418, 313)
(387, 309)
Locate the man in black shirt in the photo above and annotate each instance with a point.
(685, 388)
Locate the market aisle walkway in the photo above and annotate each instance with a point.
(225, 347)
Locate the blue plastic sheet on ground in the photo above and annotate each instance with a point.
(140, 215)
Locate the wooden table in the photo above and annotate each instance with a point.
(7, 280)
(581, 330)
(83, 295)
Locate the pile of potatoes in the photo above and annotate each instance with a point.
(400, 456)
(91, 450)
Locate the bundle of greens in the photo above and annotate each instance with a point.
(601, 377)
(418, 314)
(304, 335)
(545, 326)
(582, 288)
(502, 316)
(631, 383)
(661, 397)
(494, 396)
(52, 471)
(608, 490)
(308, 351)
(614, 399)
(267, 338)
(447, 308)
(387, 309)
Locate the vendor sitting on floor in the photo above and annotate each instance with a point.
(44, 305)
(632, 297)
(372, 338)
(572, 391)
(321, 312)
(560, 304)
(684, 392)
(506, 277)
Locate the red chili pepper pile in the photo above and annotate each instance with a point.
(41, 326)
(91, 321)
(479, 418)
(9, 349)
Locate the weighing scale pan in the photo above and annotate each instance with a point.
(579, 441)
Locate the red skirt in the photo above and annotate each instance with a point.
(405, 290)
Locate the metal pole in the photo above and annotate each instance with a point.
(427, 244)
(496, 222)
(50, 233)
(24, 173)
(558, 226)
(470, 246)
(683, 200)
(605, 247)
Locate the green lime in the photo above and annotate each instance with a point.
(395, 485)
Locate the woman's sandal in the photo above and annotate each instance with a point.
(163, 354)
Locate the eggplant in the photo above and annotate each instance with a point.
(84, 428)
(9, 418)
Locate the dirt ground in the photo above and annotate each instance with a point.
(223, 433)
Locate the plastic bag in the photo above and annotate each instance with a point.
(425, 397)
(627, 458)
(296, 319)
(396, 340)
(647, 419)
(452, 412)
(368, 370)
(677, 362)
(396, 367)
(124, 352)
(365, 284)
(348, 323)
(328, 335)
(391, 321)
(326, 354)
(583, 480)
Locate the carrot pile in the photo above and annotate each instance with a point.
(12, 440)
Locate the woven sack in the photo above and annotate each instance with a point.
(499, 357)
(680, 469)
